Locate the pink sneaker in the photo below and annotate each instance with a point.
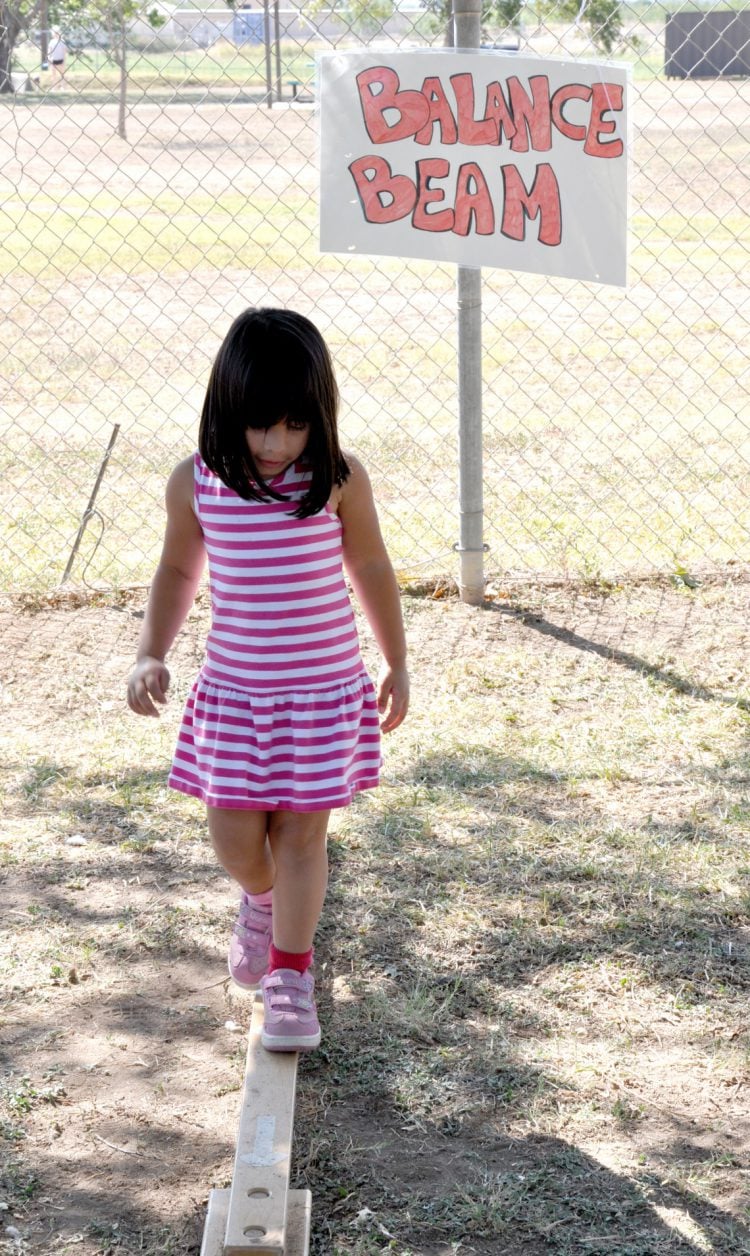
(248, 949)
(290, 1021)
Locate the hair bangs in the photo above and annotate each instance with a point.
(279, 381)
(270, 398)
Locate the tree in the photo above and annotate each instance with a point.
(604, 21)
(115, 16)
(506, 13)
(23, 17)
(15, 19)
(362, 17)
(442, 15)
(602, 17)
(19, 17)
(367, 17)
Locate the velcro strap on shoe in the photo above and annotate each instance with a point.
(243, 931)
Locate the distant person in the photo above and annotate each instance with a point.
(57, 55)
(282, 722)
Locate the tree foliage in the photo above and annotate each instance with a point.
(504, 13)
(88, 20)
(16, 17)
(601, 18)
(363, 17)
(366, 17)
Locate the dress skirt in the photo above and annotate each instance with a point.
(308, 750)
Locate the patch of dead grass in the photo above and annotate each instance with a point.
(533, 965)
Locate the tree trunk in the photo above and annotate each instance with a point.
(44, 31)
(12, 22)
(8, 35)
(449, 38)
(122, 106)
(117, 36)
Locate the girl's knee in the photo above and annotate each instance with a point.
(298, 846)
(229, 827)
(294, 837)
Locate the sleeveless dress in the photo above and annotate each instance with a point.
(282, 713)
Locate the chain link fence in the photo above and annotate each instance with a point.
(165, 176)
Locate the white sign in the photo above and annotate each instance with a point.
(479, 158)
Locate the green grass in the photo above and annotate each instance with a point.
(615, 424)
(673, 493)
(252, 228)
(223, 66)
(103, 236)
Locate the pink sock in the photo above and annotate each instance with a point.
(299, 961)
(261, 900)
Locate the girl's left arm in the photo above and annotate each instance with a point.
(369, 569)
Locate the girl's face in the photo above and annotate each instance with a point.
(276, 448)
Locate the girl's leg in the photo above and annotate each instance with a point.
(298, 845)
(241, 844)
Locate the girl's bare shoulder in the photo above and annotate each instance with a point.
(356, 480)
(180, 485)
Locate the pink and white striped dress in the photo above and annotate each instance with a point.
(283, 713)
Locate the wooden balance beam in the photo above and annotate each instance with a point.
(259, 1215)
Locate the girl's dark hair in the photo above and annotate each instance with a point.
(273, 364)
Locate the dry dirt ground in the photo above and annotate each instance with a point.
(532, 968)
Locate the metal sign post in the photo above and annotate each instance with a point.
(467, 19)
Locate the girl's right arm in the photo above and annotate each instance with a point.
(172, 593)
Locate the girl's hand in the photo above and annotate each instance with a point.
(148, 683)
(393, 696)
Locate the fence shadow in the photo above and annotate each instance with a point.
(667, 677)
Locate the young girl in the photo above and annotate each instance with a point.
(282, 723)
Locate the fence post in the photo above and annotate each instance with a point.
(90, 508)
(267, 42)
(467, 26)
(277, 46)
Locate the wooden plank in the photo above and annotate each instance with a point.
(216, 1224)
(256, 1221)
(299, 1216)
